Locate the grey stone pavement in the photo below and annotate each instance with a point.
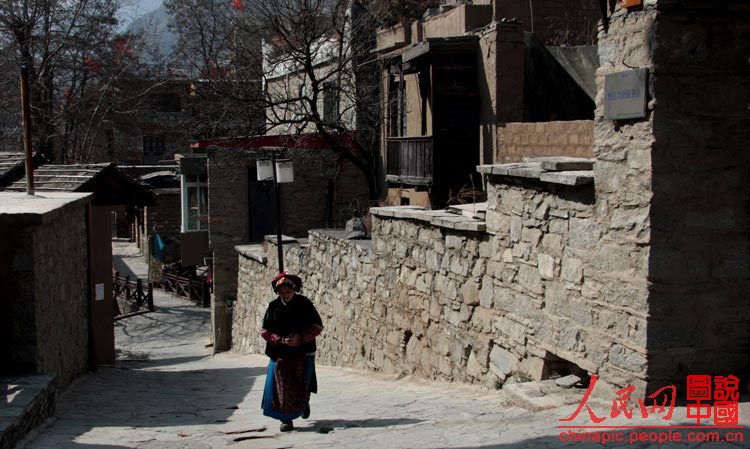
(168, 390)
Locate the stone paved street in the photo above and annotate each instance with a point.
(167, 390)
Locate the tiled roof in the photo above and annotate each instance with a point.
(60, 178)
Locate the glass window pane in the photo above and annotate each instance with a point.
(203, 207)
(192, 203)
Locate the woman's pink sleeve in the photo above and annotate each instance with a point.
(270, 337)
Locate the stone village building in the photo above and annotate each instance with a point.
(471, 82)
(224, 204)
(634, 266)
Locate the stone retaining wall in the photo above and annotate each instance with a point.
(445, 296)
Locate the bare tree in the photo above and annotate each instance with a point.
(74, 54)
(304, 66)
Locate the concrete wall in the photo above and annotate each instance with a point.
(518, 140)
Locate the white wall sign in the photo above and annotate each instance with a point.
(100, 292)
(625, 94)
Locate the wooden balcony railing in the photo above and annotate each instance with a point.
(184, 282)
(410, 160)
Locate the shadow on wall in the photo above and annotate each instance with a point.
(700, 250)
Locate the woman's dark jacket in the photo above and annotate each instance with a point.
(296, 317)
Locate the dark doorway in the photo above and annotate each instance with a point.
(260, 206)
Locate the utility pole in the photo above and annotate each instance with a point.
(26, 113)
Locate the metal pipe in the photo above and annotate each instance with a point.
(277, 194)
(26, 113)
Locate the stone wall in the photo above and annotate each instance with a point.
(304, 205)
(440, 296)
(61, 285)
(640, 277)
(45, 267)
(563, 138)
(687, 169)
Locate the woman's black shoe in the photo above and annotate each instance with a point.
(287, 426)
(306, 413)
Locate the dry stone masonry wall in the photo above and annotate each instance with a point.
(450, 297)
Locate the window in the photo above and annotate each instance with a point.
(194, 203)
(397, 107)
(154, 145)
(330, 102)
(165, 102)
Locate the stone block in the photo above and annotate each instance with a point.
(546, 266)
(470, 293)
(627, 359)
(584, 233)
(558, 164)
(479, 268)
(530, 279)
(532, 236)
(502, 361)
(572, 269)
(552, 245)
(486, 294)
(432, 260)
(454, 241)
(473, 367)
(482, 320)
(460, 266)
(424, 283)
(558, 226)
(516, 227)
(570, 178)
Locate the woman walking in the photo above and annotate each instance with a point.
(290, 326)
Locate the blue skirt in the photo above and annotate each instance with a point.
(300, 389)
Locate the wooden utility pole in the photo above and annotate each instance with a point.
(26, 113)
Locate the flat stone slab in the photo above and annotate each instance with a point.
(564, 163)
(542, 395)
(568, 178)
(255, 252)
(565, 171)
(478, 210)
(439, 218)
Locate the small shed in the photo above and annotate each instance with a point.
(110, 188)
